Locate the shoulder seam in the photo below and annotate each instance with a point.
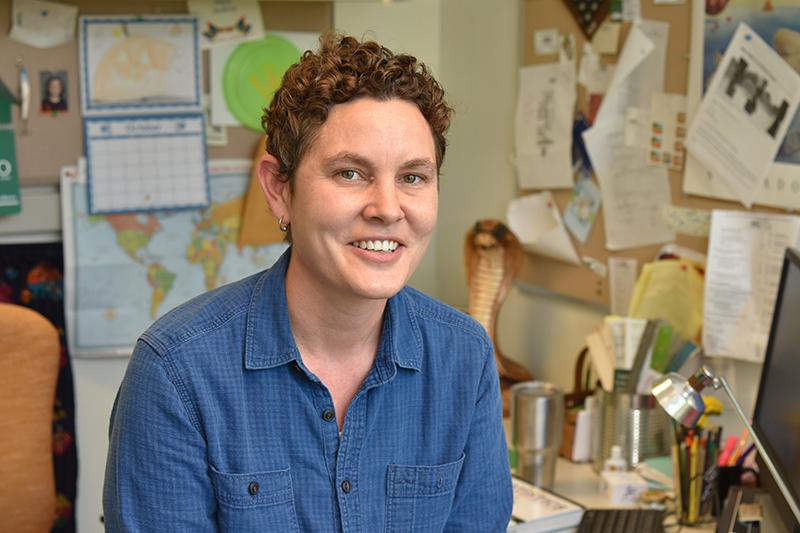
(475, 330)
(177, 382)
(216, 323)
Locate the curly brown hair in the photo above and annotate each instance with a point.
(342, 70)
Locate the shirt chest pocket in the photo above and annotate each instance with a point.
(262, 501)
(419, 497)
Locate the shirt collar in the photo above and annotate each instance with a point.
(268, 337)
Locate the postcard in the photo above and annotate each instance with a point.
(227, 21)
(582, 209)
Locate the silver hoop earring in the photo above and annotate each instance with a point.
(282, 225)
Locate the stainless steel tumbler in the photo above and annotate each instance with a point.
(537, 419)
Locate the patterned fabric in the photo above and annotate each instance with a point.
(32, 275)
(220, 426)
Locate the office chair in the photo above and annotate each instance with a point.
(493, 257)
(29, 362)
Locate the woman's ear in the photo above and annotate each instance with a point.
(275, 186)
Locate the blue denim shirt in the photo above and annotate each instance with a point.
(219, 426)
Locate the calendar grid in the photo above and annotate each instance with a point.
(146, 163)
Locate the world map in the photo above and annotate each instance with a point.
(125, 270)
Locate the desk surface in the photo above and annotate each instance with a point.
(578, 482)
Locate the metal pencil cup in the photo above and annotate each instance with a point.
(537, 418)
(635, 422)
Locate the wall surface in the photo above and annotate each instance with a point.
(479, 62)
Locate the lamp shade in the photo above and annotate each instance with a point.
(680, 397)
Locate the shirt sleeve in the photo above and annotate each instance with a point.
(156, 472)
(484, 496)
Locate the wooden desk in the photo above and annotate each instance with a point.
(578, 482)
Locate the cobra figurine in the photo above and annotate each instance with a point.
(493, 258)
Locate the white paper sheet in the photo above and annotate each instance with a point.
(42, 24)
(593, 74)
(634, 329)
(215, 135)
(631, 10)
(218, 57)
(745, 254)
(745, 113)
(226, 21)
(710, 33)
(637, 126)
(639, 71)
(633, 193)
(621, 280)
(536, 221)
(139, 64)
(543, 124)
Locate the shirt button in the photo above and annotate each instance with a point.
(328, 415)
(253, 488)
(346, 488)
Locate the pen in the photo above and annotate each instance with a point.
(740, 460)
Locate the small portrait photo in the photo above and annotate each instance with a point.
(54, 90)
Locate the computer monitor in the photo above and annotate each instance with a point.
(776, 419)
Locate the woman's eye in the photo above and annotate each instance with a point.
(413, 179)
(349, 174)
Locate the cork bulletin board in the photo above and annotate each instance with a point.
(52, 142)
(578, 281)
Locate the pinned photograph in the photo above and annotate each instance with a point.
(749, 89)
(54, 91)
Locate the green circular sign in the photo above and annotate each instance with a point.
(252, 75)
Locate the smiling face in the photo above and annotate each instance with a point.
(364, 201)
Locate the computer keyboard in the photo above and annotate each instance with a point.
(621, 521)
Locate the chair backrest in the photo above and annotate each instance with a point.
(29, 362)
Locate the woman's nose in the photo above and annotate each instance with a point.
(384, 202)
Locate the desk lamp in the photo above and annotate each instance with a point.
(681, 399)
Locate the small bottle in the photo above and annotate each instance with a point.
(615, 462)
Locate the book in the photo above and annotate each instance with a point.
(538, 510)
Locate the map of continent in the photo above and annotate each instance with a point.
(127, 270)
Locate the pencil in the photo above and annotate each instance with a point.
(692, 514)
(698, 480)
(676, 478)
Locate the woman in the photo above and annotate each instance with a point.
(322, 394)
(54, 95)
